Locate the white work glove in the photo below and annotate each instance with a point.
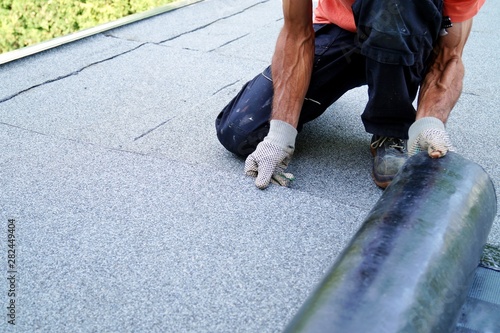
(271, 157)
(428, 134)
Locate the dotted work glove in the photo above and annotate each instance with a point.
(428, 134)
(271, 157)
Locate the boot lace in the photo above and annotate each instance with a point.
(391, 142)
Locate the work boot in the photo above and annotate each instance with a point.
(389, 154)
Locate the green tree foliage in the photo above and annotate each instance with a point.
(27, 22)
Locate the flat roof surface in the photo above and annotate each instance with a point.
(129, 214)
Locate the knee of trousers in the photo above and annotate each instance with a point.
(244, 122)
(236, 139)
(397, 32)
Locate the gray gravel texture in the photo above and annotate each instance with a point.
(131, 217)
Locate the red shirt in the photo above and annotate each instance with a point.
(339, 12)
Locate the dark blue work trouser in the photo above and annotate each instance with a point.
(389, 53)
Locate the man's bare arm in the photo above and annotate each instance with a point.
(442, 85)
(439, 93)
(292, 61)
(291, 70)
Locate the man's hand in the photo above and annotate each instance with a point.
(271, 157)
(428, 134)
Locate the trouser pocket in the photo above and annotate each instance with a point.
(398, 32)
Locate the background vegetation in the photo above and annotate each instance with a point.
(27, 22)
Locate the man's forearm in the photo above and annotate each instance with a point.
(291, 68)
(442, 85)
(441, 89)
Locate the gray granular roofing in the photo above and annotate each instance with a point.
(130, 216)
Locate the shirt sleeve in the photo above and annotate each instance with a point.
(461, 10)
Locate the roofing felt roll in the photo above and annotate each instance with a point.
(411, 263)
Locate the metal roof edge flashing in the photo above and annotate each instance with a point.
(58, 41)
